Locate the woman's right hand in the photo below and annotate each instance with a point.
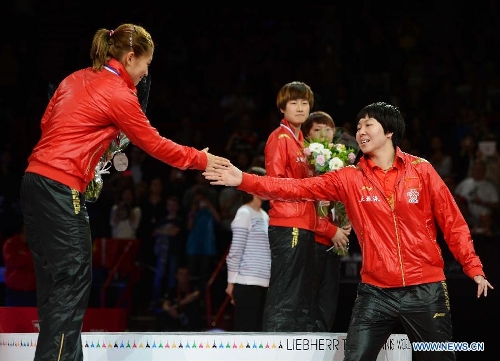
(229, 291)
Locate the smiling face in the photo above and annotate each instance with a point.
(137, 67)
(371, 138)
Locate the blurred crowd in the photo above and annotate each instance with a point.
(214, 81)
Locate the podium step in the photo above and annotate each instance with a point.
(206, 346)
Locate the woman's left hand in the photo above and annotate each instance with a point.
(482, 285)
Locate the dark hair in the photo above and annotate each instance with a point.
(389, 116)
(247, 197)
(108, 44)
(318, 117)
(292, 91)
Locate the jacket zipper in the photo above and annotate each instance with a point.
(399, 249)
(91, 158)
(391, 206)
(60, 348)
(397, 232)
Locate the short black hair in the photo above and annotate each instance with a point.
(389, 116)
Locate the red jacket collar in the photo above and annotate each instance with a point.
(399, 159)
(287, 125)
(116, 65)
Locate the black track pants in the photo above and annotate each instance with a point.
(59, 237)
(290, 286)
(423, 310)
(326, 285)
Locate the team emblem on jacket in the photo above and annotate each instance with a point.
(413, 195)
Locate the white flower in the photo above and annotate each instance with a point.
(335, 163)
(327, 153)
(316, 147)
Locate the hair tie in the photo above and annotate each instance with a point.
(111, 32)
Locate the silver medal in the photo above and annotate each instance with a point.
(120, 162)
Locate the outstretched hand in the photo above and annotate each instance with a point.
(224, 175)
(482, 286)
(215, 161)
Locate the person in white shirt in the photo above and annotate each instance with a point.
(125, 216)
(249, 262)
(481, 196)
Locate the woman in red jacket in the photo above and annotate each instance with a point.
(292, 225)
(326, 277)
(393, 200)
(90, 109)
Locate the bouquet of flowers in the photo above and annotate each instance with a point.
(94, 188)
(325, 156)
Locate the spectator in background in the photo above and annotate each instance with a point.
(141, 191)
(152, 210)
(198, 185)
(463, 159)
(440, 159)
(137, 166)
(181, 307)
(125, 215)
(20, 281)
(491, 158)
(249, 261)
(169, 240)
(481, 196)
(176, 183)
(99, 212)
(201, 243)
